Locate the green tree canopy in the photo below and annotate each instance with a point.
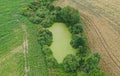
(91, 62)
(70, 63)
(77, 41)
(47, 51)
(45, 37)
(96, 72)
(76, 29)
(69, 15)
(51, 62)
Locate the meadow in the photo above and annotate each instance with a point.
(12, 62)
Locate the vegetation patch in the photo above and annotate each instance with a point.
(61, 41)
(44, 14)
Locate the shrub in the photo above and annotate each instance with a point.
(42, 12)
(34, 5)
(45, 37)
(69, 15)
(26, 12)
(70, 63)
(96, 72)
(76, 29)
(46, 51)
(51, 62)
(46, 23)
(83, 51)
(77, 41)
(35, 19)
(91, 62)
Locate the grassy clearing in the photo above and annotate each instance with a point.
(35, 56)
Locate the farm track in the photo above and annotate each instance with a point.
(25, 48)
(102, 29)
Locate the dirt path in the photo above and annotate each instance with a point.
(25, 48)
(102, 29)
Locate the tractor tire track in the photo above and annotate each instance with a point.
(101, 39)
(101, 31)
(95, 26)
(25, 48)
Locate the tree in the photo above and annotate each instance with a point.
(42, 12)
(34, 6)
(91, 62)
(26, 12)
(82, 51)
(69, 15)
(76, 29)
(70, 63)
(44, 37)
(46, 23)
(51, 7)
(77, 41)
(51, 62)
(96, 72)
(35, 19)
(47, 51)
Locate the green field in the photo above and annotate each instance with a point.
(12, 62)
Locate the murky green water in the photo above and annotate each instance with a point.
(61, 41)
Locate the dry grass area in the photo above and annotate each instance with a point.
(102, 19)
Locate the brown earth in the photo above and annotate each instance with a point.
(102, 19)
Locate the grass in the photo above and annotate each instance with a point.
(13, 65)
(11, 33)
(11, 36)
(36, 59)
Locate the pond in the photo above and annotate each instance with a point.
(61, 41)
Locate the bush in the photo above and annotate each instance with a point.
(46, 23)
(77, 41)
(51, 62)
(96, 72)
(51, 7)
(26, 12)
(34, 5)
(45, 37)
(46, 51)
(42, 12)
(70, 63)
(35, 19)
(83, 51)
(76, 29)
(69, 15)
(91, 62)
